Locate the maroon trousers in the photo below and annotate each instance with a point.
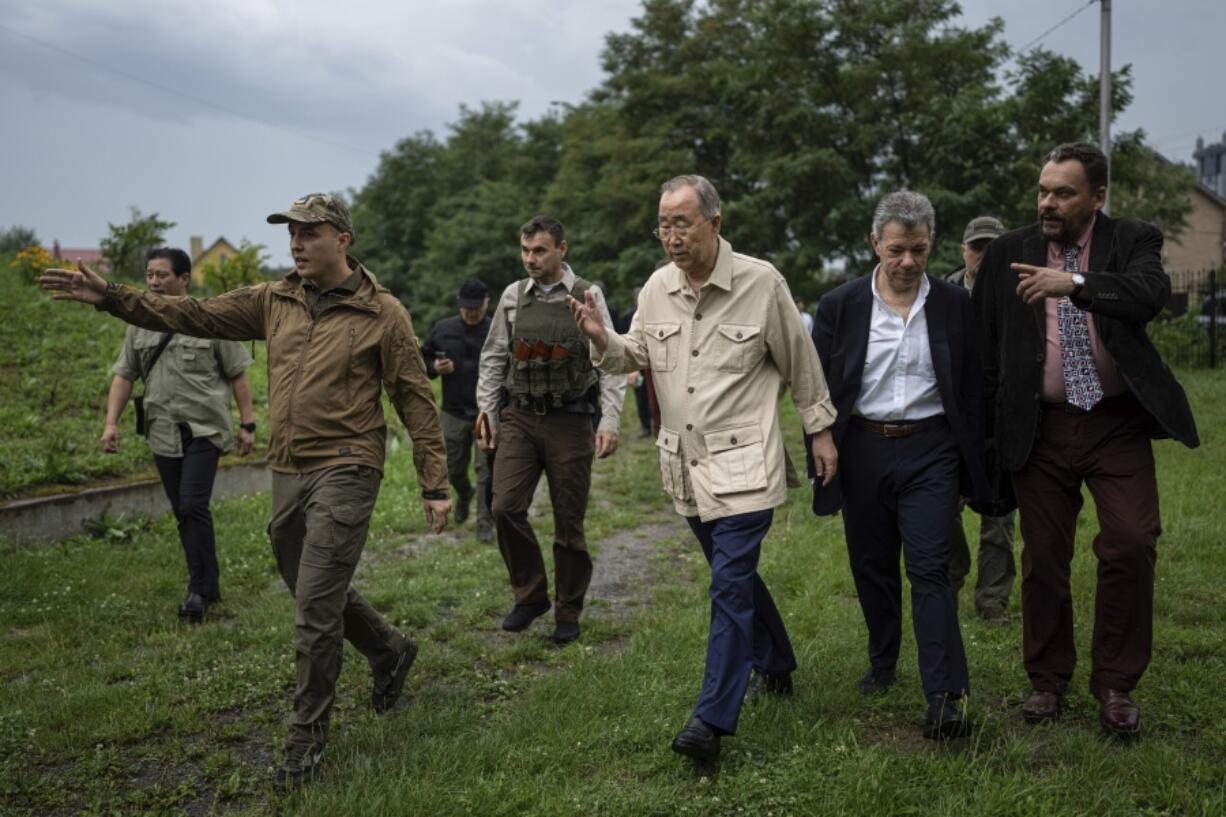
(1109, 449)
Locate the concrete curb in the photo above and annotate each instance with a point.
(48, 518)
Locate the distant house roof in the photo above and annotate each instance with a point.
(1209, 193)
(91, 255)
(219, 244)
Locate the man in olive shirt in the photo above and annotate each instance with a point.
(187, 420)
(722, 336)
(336, 339)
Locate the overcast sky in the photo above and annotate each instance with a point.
(215, 114)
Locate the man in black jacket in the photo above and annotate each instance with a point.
(453, 352)
(899, 353)
(1074, 392)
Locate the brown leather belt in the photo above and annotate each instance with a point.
(892, 430)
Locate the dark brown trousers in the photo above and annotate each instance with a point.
(562, 446)
(1109, 449)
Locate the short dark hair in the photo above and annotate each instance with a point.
(545, 224)
(180, 261)
(1093, 160)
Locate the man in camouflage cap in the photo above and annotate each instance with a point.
(336, 339)
(318, 208)
(996, 568)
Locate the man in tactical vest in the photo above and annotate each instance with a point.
(537, 390)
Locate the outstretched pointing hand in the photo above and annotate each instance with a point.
(587, 318)
(81, 284)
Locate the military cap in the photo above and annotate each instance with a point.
(982, 227)
(317, 208)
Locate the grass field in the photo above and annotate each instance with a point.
(110, 706)
(55, 370)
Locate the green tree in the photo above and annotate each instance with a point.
(243, 268)
(17, 238)
(125, 246)
(434, 213)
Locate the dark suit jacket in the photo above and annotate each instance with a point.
(1125, 288)
(841, 335)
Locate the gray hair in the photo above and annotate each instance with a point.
(906, 208)
(708, 197)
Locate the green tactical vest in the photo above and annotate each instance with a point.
(550, 364)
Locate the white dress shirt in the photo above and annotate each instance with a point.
(899, 383)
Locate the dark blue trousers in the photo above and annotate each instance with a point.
(188, 482)
(901, 494)
(747, 631)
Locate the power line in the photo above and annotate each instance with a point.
(166, 89)
(1037, 39)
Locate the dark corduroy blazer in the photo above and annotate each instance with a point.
(1125, 288)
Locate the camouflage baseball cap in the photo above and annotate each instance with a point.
(317, 208)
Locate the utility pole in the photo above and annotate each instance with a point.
(1104, 95)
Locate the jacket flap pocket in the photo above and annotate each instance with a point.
(660, 331)
(739, 332)
(670, 441)
(732, 438)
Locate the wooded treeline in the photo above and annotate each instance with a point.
(802, 112)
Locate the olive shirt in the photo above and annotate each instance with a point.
(719, 358)
(325, 375)
(189, 384)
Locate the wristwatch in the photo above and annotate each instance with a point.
(248, 427)
(1079, 281)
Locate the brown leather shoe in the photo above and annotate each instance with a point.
(1041, 706)
(1118, 714)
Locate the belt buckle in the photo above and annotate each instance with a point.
(894, 430)
(539, 407)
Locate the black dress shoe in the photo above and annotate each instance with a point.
(876, 681)
(1041, 706)
(1119, 716)
(697, 740)
(565, 632)
(778, 684)
(945, 719)
(193, 608)
(522, 615)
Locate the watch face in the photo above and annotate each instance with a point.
(1079, 279)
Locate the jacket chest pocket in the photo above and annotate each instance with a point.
(672, 465)
(736, 460)
(663, 345)
(737, 347)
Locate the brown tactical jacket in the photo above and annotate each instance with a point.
(324, 376)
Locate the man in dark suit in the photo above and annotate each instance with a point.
(898, 349)
(1075, 391)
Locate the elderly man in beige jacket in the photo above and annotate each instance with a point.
(721, 335)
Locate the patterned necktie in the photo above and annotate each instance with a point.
(1081, 384)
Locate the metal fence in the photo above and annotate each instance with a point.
(1192, 329)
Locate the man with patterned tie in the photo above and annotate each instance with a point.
(1074, 392)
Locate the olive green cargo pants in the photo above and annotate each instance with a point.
(318, 528)
(996, 567)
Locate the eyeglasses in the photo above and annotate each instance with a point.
(666, 231)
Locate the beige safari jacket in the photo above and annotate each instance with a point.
(324, 376)
(719, 359)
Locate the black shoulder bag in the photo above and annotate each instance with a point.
(139, 400)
